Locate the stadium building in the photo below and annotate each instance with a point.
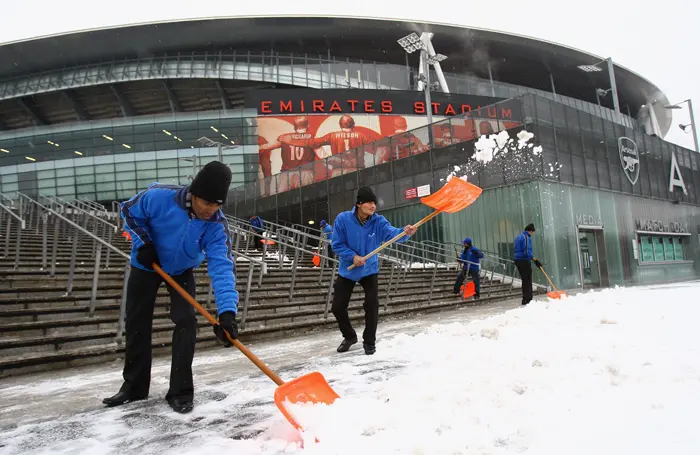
(307, 109)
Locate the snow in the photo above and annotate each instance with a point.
(613, 371)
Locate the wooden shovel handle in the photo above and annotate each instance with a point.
(186, 295)
(547, 276)
(389, 242)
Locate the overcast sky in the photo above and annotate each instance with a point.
(656, 39)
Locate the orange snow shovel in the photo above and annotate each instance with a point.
(453, 197)
(310, 388)
(553, 294)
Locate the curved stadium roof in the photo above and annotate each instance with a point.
(513, 59)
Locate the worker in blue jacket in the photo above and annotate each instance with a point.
(175, 227)
(256, 224)
(358, 232)
(470, 258)
(523, 256)
(327, 230)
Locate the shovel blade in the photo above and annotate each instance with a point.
(469, 289)
(310, 388)
(453, 197)
(556, 294)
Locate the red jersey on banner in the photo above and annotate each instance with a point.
(295, 155)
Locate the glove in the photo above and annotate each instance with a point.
(537, 263)
(146, 256)
(227, 323)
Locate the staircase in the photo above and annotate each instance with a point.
(42, 326)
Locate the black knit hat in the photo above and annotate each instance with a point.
(365, 194)
(211, 182)
(530, 228)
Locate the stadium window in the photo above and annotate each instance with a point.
(661, 248)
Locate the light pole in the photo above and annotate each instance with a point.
(412, 43)
(611, 74)
(692, 119)
(194, 160)
(205, 141)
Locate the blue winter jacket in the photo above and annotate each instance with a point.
(160, 215)
(257, 224)
(350, 238)
(328, 230)
(473, 256)
(523, 247)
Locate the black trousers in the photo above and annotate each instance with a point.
(525, 270)
(140, 303)
(341, 299)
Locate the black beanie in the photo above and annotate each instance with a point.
(211, 182)
(530, 228)
(365, 194)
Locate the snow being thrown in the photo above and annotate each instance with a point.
(613, 371)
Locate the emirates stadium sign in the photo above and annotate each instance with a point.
(342, 101)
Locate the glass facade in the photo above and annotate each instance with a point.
(592, 220)
(112, 160)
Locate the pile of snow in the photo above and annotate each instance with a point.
(608, 372)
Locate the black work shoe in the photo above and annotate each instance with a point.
(181, 405)
(345, 344)
(121, 398)
(369, 348)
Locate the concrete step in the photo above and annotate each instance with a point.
(64, 355)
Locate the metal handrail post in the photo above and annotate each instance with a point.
(54, 248)
(247, 297)
(109, 252)
(73, 259)
(95, 278)
(294, 273)
(432, 285)
(44, 240)
(19, 240)
(330, 291)
(388, 289)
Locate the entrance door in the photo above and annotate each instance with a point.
(588, 253)
(592, 257)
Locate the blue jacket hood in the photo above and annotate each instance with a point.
(161, 215)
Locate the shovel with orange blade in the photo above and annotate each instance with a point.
(310, 388)
(553, 294)
(456, 195)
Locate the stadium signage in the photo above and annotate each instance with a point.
(629, 157)
(332, 101)
(660, 226)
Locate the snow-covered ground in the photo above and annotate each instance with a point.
(605, 372)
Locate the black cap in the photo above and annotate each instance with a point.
(530, 228)
(211, 182)
(365, 194)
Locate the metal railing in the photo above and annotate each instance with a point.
(77, 231)
(400, 260)
(235, 254)
(11, 215)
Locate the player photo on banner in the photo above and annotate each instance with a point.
(293, 148)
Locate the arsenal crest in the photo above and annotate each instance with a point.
(629, 156)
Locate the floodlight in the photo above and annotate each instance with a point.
(675, 106)
(589, 68)
(436, 59)
(411, 43)
(683, 127)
